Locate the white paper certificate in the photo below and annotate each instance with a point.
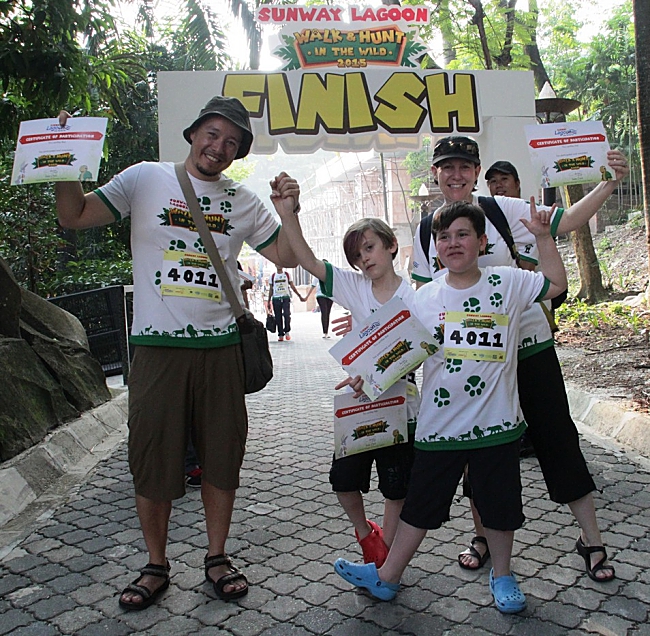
(361, 425)
(390, 343)
(569, 152)
(48, 152)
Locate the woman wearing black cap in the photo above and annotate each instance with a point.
(456, 167)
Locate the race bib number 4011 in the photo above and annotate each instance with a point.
(189, 274)
(470, 336)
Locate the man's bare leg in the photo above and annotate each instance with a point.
(500, 544)
(218, 505)
(154, 521)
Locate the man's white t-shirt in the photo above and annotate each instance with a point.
(178, 297)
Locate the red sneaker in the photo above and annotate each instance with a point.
(373, 547)
(287, 336)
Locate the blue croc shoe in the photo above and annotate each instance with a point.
(366, 576)
(508, 597)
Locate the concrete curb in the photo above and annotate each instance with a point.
(72, 448)
(609, 419)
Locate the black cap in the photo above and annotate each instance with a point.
(456, 147)
(502, 166)
(230, 108)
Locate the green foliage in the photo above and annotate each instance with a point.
(241, 170)
(418, 166)
(28, 235)
(91, 273)
(578, 314)
(601, 75)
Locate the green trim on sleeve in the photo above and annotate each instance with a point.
(270, 240)
(421, 279)
(540, 296)
(528, 259)
(327, 285)
(108, 204)
(557, 217)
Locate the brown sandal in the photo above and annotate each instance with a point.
(148, 597)
(233, 576)
(473, 552)
(585, 552)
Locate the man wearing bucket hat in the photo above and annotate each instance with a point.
(187, 378)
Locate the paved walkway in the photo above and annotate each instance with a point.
(65, 571)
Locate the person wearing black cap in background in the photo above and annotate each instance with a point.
(503, 180)
(187, 377)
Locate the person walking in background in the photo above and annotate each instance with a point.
(324, 304)
(280, 300)
(187, 376)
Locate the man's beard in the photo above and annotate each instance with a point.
(208, 173)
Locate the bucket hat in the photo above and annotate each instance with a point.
(232, 109)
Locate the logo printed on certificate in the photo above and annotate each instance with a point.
(471, 336)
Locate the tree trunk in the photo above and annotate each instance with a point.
(532, 50)
(479, 21)
(591, 281)
(642, 42)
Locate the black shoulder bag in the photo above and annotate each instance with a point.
(258, 364)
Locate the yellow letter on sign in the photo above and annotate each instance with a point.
(445, 106)
(248, 88)
(399, 110)
(321, 102)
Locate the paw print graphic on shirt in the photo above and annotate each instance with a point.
(177, 245)
(472, 304)
(441, 397)
(225, 206)
(230, 191)
(198, 246)
(205, 203)
(496, 299)
(474, 386)
(453, 366)
(494, 280)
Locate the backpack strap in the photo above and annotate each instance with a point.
(496, 216)
(425, 234)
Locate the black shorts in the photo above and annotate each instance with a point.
(554, 435)
(352, 473)
(494, 474)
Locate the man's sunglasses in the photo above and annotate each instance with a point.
(446, 147)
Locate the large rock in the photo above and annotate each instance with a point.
(78, 373)
(48, 375)
(10, 300)
(51, 321)
(31, 401)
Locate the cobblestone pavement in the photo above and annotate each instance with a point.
(64, 575)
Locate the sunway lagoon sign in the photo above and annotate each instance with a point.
(350, 81)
